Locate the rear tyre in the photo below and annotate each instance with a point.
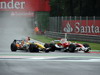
(50, 46)
(47, 50)
(33, 48)
(72, 48)
(13, 47)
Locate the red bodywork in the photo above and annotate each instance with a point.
(64, 44)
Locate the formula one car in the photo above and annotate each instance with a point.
(28, 46)
(67, 46)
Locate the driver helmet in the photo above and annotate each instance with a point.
(63, 40)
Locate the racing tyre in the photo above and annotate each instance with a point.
(87, 45)
(72, 48)
(33, 48)
(50, 46)
(13, 47)
(46, 50)
(46, 45)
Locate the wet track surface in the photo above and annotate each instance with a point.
(53, 63)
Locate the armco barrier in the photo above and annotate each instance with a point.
(74, 37)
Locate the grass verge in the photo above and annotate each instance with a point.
(42, 38)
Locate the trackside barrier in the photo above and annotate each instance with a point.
(74, 37)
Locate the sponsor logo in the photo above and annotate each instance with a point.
(68, 28)
(24, 5)
(78, 28)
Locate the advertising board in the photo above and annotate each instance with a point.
(24, 5)
(89, 27)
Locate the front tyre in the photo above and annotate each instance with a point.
(86, 51)
(88, 48)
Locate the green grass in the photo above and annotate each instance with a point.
(94, 46)
(42, 38)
